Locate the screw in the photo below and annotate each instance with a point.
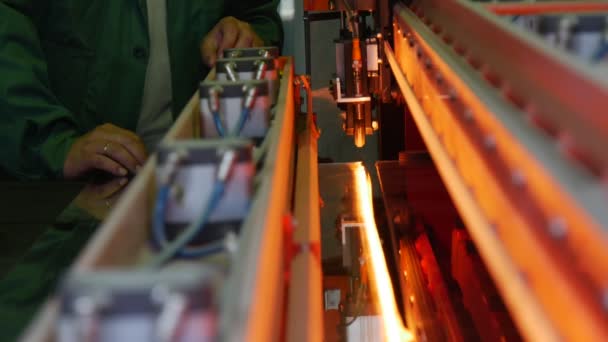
(517, 178)
(468, 115)
(605, 300)
(558, 228)
(490, 142)
(439, 78)
(427, 63)
(452, 95)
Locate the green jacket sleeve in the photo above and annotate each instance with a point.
(36, 131)
(263, 17)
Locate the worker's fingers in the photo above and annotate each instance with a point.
(118, 153)
(245, 39)
(230, 30)
(102, 162)
(210, 45)
(109, 188)
(126, 138)
(228, 33)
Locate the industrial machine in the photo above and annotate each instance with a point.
(490, 223)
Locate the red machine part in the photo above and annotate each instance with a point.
(479, 295)
(429, 200)
(437, 287)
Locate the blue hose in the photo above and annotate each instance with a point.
(219, 127)
(177, 247)
(158, 222)
(601, 53)
(205, 250)
(242, 120)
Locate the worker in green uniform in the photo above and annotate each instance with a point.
(93, 85)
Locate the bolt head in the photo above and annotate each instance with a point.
(468, 114)
(490, 142)
(558, 228)
(605, 300)
(518, 179)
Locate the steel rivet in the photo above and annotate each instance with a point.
(490, 142)
(427, 63)
(518, 178)
(468, 114)
(439, 78)
(453, 95)
(605, 300)
(558, 228)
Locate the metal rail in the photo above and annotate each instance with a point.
(537, 215)
(305, 297)
(254, 301)
(567, 96)
(253, 304)
(547, 7)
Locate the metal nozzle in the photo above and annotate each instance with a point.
(214, 98)
(226, 165)
(250, 94)
(235, 54)
(261, 71)
(231, 71)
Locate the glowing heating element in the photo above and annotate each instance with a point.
(394, 328)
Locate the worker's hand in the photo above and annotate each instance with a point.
(228, 33)
(98, 199)
(108, 148)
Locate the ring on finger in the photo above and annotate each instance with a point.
(106, 148)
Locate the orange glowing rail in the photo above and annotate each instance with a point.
(393, 326)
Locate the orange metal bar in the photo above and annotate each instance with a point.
(305, 302)
(513, 194)
(573, 104)
(545, 8)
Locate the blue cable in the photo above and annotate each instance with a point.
(242, 120)
(177, 247)
(218, 123)
(205, 250)
(158, 222)
(240, 125)
(601, 53)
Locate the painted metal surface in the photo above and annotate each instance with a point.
(536, 213)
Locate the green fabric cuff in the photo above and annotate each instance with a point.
(55, 151)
